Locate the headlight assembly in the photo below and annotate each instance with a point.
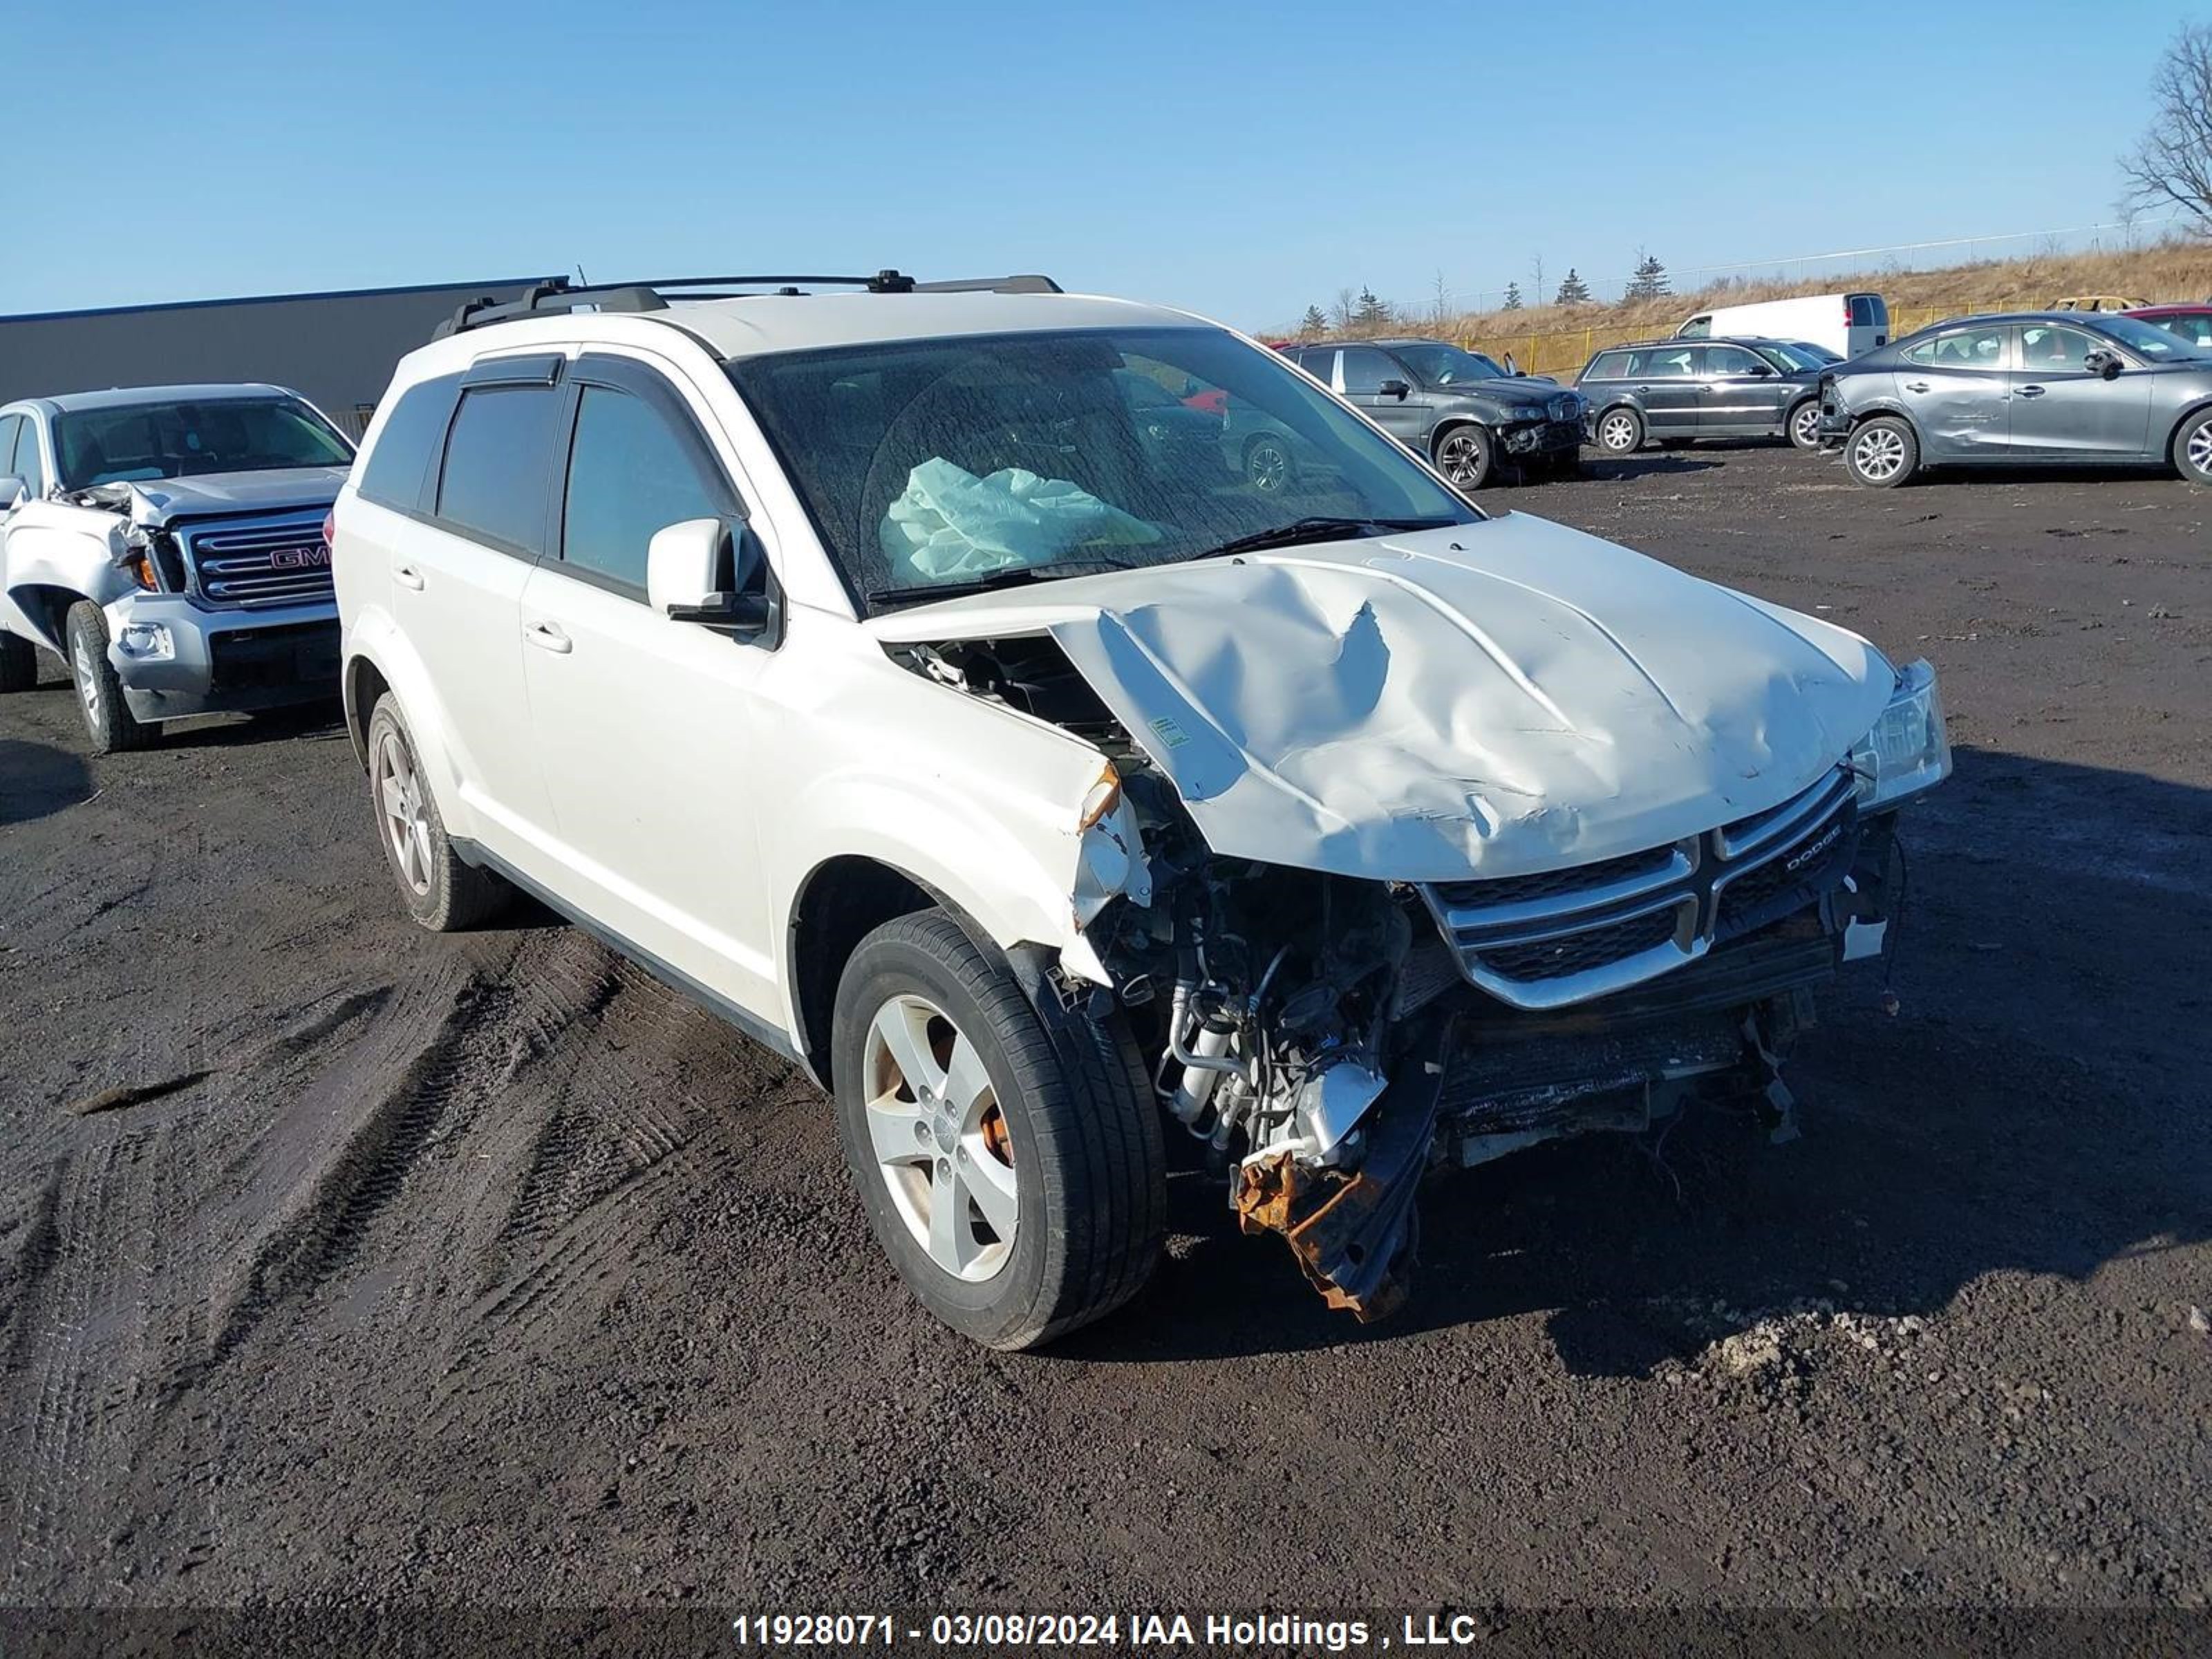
(1908, 749)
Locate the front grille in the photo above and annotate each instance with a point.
(1580, 952)
(1562, 936)
(259, 561)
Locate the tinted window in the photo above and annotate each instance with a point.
(496, 458)
(1668, 362)
(630, 475)
(1365, 368)
(9, 426)
(1610, 366)
(398, 466)
(2044, 349)
(1867, 311)
(1961, 348)
(1322, 365)
(1730, 359)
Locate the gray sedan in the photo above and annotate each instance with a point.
(2039, 388)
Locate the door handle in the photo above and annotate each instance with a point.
(407, 576)
(1916, 386)
(546, 637)
(2029, 391)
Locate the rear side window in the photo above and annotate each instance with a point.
(1965, 349)
(9, 424)
(497, 457)
(1609, 366)
(1322, 365)
(399, 466)
(1671, 362)
(630, 476)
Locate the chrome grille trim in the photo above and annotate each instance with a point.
(244, 564)
(1689, 877)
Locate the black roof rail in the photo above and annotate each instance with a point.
(559, 294)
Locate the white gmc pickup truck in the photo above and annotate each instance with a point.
(875, 667)
(167, 543)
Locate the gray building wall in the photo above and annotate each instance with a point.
(336, 349)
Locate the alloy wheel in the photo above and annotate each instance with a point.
(940, 1139)
(406, 813)
(1878, 453)
(1805, 425)
(1617, 432)
(1459, 458)
(2199, 449)
(1267, 467)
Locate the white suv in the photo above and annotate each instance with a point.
(898, 673)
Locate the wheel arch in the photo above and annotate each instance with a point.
(1451, 423)
(46, 606)
(841, 901)
(2202, 406)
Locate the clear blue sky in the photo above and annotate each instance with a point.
(1241, 160)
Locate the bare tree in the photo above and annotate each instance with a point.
(1342, 311)
(1440, 304)
(2172, 164)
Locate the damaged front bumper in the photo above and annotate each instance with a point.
(1484, 1080)
(175, 658)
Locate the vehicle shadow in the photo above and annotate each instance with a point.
(2140, 472)
(37, 779)
(1657, 464)
(323, 719)
(2027, 1110)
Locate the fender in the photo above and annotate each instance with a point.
(75, 559)
(372, 639)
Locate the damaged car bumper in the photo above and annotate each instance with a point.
(175, 658)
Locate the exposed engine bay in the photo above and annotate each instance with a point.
(1329, 1039)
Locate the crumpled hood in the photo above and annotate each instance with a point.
(1491, 700)
(162, 501)
(1514, 392)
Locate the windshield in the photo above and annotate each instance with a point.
(1447, 365)
(928, 466)
(2152, 344)
(132, 443)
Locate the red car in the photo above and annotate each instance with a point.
(2191, 324)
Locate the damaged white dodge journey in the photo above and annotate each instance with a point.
(924, 678)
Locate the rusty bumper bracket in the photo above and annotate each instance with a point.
(1354, 1234)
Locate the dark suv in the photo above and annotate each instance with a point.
(1678, 390)
(1457, 407)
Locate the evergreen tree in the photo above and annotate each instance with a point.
(1513, 296)
(1573, 291)
(1313, 325)
(1650, 281)
(1371, 313)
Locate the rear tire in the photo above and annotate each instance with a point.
(19, 663)
(1464, 455)
(108, 722)
(1882, 452)
(1803, 424)
(1267, 466)
(2192, 448)
(1621, 432)
(441, 891)
(1013, 1173)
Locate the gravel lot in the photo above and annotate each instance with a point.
(341, 1263)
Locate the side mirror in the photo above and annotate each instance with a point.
(1759, 371)
(12, 493)
(1393, 389)
(2103, 362)
(684, 567)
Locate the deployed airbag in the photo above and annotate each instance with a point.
(948, 524)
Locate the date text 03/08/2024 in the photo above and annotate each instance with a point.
(1260, 1632)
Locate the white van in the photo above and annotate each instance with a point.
(1849, 323)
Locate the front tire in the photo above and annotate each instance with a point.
(19, 663)
(441, 891)
(108, 722)
(1464, 455)
(1804, 424)
(2192, 448)
(1621, 432)
(1013, 1173)
(1882, 452)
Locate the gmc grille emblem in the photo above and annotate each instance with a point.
(1812, 850)
(299, 558)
